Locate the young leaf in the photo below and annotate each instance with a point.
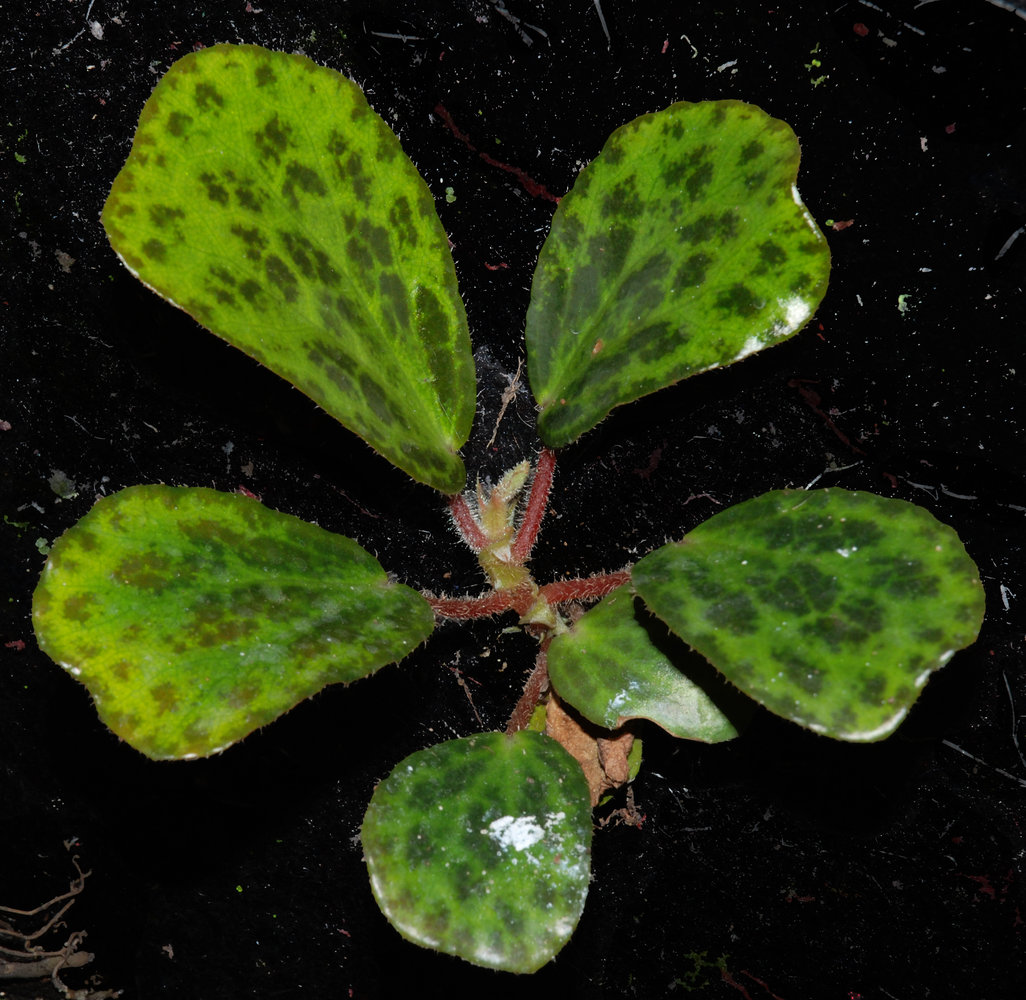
(265, 198)
(194, 617)
(682, 247)
(830, 607)
(616, 665)
(481, 847)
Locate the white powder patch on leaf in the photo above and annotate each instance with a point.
(518, 832)
(796, 311)
(751, 345)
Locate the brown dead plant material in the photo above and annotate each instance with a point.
(601, 754)
(22, 958)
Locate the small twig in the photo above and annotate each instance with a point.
(69, 961)
(79, 34)
(32, 961)
(508, 395)
(516, 22)
(1015, 720)
(42, 967)
(626, 815)
(602, 21)
(49, 925)
(36, 952)
(76, 887)
(529, 184)
(1003, 773)
(392, 34)
(466, 690)
(1006, 246)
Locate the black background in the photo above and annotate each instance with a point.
(780, 865)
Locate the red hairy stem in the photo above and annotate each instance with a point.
(522, 598)
(472, 607)
(584, 589)
(537, 682)
(535, 509)
(466, 523)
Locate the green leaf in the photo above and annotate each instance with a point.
(682, 247)
(265, 198)
(619, 663)
(481, 847)
(194, 617)
(830, 607)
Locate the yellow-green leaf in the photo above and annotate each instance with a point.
(194, 617)
(830, 607)
(619, 663)
(481, 847)
(683, 246)
(267, 199)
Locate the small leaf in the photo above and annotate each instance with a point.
(619, 663)
(194, 617)
(265, 198)
(830, 607)
(682, 247)
(481, 847)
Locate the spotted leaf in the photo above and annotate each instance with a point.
(683, 246)
(619, 663)
(481, 847)
(194, 617)
(830, 607)
(265, 198)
